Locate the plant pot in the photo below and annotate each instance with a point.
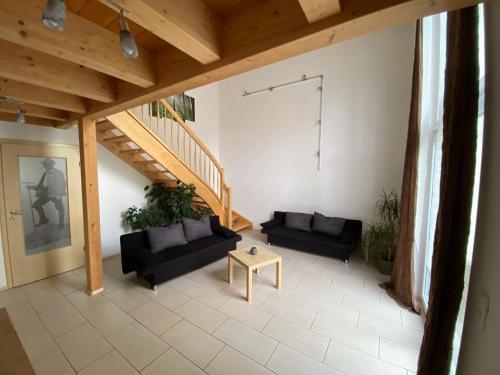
(384, 266)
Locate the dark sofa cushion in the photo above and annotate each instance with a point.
(304, 237)
(165, 237)
(195, 229)
(328, 225)
(297, 220)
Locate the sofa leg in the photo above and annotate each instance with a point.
(269, 244)
(155, 288)
(346, 261)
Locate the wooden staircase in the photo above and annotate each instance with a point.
(163, 148)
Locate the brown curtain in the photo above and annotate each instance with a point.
(457, 182)
(401, 285)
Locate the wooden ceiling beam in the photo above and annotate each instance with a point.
(316, 10)
(28, 66)
(358, 17)
(9, 117)
(189, 25)
(42, 96)
(82, 42)
(35, 111)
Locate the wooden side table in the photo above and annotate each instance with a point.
(252, 263)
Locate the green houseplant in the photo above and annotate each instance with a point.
(164, 207)
(380, 240)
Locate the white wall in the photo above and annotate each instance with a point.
(114, 176)
(269, 140)
(479, 350)
(207, 116)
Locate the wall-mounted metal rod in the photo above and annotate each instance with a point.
(290, 83)
(271, 88)
(320, 121)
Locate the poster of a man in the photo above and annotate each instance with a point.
(44, 199)
(51, 188)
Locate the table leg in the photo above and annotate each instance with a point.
(249, 285)
(278, 274)
(229, 269)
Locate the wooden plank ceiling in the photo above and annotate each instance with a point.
(80, 72)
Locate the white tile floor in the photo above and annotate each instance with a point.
(327, 319)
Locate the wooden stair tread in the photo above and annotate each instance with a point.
(146, 162)
(105, 126)
(117, 139)
(132, 151)
(240, 224)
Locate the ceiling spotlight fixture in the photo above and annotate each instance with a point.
(127, 42)
(20, 118)
(54, 15)
(20, 114)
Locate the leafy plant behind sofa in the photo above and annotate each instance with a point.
(164, 207)
(380, 239)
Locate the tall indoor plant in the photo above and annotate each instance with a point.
(380, 239)
(164, 206)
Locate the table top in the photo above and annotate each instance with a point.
(263, 256)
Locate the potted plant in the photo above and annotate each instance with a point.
(164, 206)
(380, 240)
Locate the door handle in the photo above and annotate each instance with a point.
(14, 212)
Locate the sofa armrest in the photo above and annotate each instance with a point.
(352, 232)
(270, 224)
(224, 232)
(134, 245)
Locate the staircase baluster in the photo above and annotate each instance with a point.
(190, 160)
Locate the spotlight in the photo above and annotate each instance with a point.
(20, 119)
(54, 15)
(127, 42)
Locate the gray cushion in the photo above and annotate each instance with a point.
(296, 220)
(195, 229)
(328, 225)
(165, 237)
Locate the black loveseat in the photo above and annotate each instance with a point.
(339, 247)
(159, 267)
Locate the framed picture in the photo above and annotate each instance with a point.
(183, 105)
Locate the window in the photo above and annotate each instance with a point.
(431, 138)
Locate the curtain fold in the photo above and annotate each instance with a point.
(457, 182)
(401, 285)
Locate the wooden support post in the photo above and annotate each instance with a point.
(88, 163)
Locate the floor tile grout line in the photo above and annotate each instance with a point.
(53, 340)
(122, 328)
(215, 356)
(271, 356)
(246, 355)
(182, 355)
(326, 352)
(297, 349)
(113, 348)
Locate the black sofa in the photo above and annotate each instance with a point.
(159, 267)
(339, 247)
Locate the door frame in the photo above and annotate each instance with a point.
(3, 218)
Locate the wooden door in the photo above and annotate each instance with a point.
(43, 209)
